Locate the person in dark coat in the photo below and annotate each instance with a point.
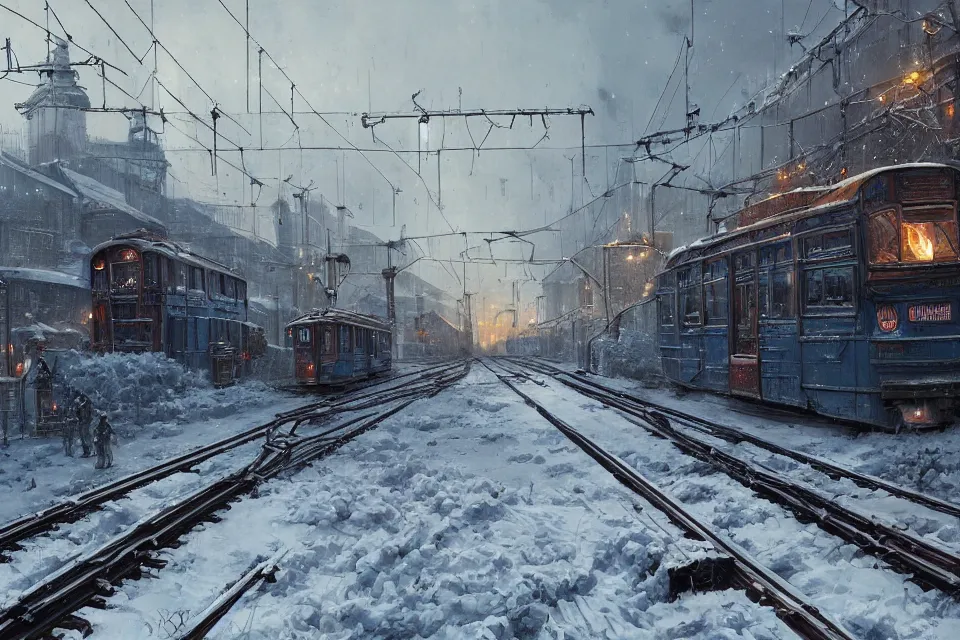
(101, 441)
(83, 411)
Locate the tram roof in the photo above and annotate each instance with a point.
(843, 192)
(340, 316)
(168, 248)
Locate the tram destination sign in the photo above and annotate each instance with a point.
(936, 312)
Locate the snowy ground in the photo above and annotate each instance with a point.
(927, 461)
(870, 602)
(465, 516)
(469, 516)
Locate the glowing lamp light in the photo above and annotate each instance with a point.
(950, 110)
(887, 318)
(919, 241)
(310, 369)
(19, 369)
(54, 407)
(128, 255)
(630, 257)
(90, 316)
(99, 265)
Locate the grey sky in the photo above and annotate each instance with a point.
(613, 55)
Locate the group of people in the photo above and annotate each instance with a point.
(80, 420)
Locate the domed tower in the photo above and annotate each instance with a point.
(57, 124)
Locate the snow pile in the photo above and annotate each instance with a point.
(149, 388)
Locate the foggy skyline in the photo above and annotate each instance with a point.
(614, 56)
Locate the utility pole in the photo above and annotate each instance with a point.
(468, 312)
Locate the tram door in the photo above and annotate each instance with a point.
(744, 343)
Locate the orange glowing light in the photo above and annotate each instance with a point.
(19, 369)
(310, 369)
(919, 241)
(128, 255)
(912, 78)
(950, 110)
(54, 407)
(99, 265)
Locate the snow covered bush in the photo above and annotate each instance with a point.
(142, 389)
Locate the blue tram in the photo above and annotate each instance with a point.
(845, 305)
(150, 294)
(335, 346)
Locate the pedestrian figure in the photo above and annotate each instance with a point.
(69, 435)
(83, 411)
(101, 441)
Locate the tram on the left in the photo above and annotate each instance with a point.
(150, 294)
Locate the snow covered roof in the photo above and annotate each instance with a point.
(841, 193)
(145, 242)
(441, 318)
(9, 161)
(42, 275)
(341, 316)
(266, 303)
(98, 192)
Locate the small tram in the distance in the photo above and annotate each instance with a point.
(334, 347)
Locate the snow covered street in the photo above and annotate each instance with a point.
(468, 515)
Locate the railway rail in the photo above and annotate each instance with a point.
(926, 564)
(737, 436)
(72, 509)
(88, 580)
(748, 575)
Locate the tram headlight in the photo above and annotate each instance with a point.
(887, 318)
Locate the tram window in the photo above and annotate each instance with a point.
(358, 338)
(344, 339)
(181, 271)
(100, 279)
(776, 295)
(716, 301)
(327, 347)
(303, 335)
(688, 283)
(241, 290)
(744, 262)
(883, 238)
(666, 309)
(829, 290)
(126, 276)
(150, 278)
(196, 278)
(830, 244)
(780, 253)
(929, 234)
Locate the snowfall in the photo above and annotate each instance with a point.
(467, 515)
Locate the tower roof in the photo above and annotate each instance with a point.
(59, 86)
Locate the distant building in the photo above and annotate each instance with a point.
(433, 336)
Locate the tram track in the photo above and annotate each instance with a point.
(88, 580)
(738, 436)
(748, 574)
(67, 511)
(924, 563)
